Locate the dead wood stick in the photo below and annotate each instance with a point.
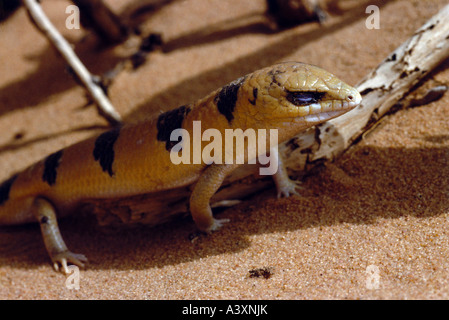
(381, 89)
(105, 108)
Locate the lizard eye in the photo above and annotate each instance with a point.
(302, 98)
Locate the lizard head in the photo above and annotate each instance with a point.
(293, 96)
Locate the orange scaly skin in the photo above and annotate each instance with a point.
(135, 159)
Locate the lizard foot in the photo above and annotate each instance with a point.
(61, 260)
(288, 187)
(217, 224)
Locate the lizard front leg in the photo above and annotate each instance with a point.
(208, 183)
(284, 185)
(45, 214)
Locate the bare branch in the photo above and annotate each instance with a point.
(104, 106)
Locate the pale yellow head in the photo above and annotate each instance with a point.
(292, 94)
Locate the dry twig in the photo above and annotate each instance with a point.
(105, 108)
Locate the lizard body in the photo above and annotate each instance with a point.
(135, 158)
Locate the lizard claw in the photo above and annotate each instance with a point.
(217, 224)
(63, 258)
(288, 188)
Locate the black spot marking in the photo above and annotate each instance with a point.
(104, 149)
(304, 98)
(273, 74)
(227, 98)
(255, 92)
(51, 165)
(169, 121)
(5, 187)
(44, 219)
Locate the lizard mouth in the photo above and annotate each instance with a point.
(326, 110)
(320, 117)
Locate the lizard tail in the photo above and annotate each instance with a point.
(13, 209)
(17, 211)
